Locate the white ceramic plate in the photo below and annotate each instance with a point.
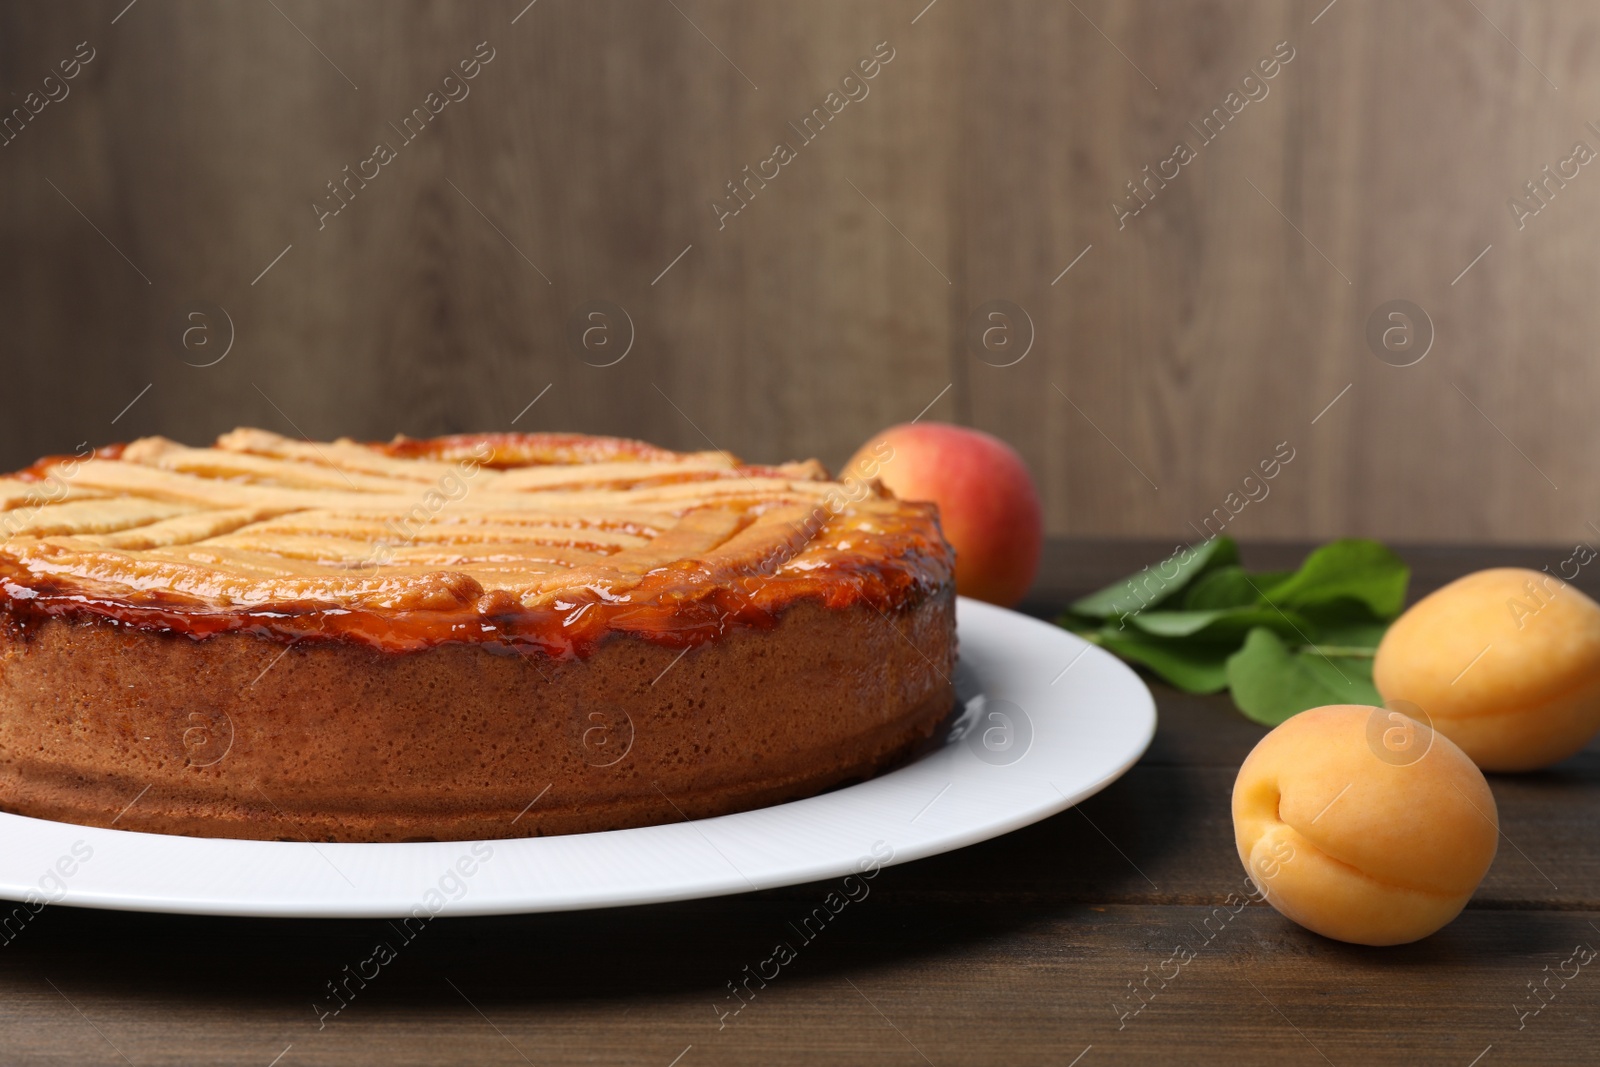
(1048, 721)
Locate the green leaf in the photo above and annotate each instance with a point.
(1160, 582)
(1233, 587)
(1283, 641)
(1223, 587)
(1191, 666)
(1272, 681)
(1353, 569)
(1212, 626)
(1078, 624)
(1269, 581)
(1345, 623)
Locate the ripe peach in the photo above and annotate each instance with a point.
(1505, 662)
(988, 506)
(1363, 825)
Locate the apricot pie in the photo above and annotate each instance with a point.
(466, 637)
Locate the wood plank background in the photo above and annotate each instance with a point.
(1177, 353)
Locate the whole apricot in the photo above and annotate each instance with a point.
(1363, 825)
(988, 506)
(1504, 662)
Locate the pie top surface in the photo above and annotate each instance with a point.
(546, 542)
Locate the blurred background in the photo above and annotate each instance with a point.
(1151, 245)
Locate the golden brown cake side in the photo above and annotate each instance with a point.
(240, 736)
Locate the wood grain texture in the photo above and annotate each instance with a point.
(1021, 950)
(1175, 355)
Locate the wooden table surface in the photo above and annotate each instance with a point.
(1021, 950)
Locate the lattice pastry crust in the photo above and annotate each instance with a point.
(474, 538)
